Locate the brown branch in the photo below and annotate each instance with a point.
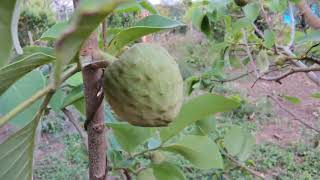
(308, 15)
(295, 117)
(75, 123)
(286, 74)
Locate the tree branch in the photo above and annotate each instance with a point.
(295, 117)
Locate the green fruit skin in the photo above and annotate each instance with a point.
(144, 87)
(241, 3)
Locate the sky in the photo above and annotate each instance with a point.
(155, 1)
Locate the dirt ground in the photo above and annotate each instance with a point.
(286, 129)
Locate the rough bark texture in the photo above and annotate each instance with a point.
(96, 130)
(94, 110)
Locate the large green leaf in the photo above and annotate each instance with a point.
(16, 154)
(196, 109)
(239, 142)
(32, 58)
(148, 25)
(55, 31)
(87, 18)
(19, 92)
(252, 11)
(6, 13)
(56, 101)
(167, 170)
(75, 80)
(129, 137)
(74, 95)
(199, 150)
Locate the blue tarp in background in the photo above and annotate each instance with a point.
(286, 16)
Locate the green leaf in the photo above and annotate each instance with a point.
(200, 20)
(278, 6)
(6, 13)
(263, 62)
(316, 95)
(74, 95)
(88, 16)
(252, 11)
(75, 80)
(128, 7)
(149, 7)
(80, 106)
(16, 154)
(32, 58)
(269, 39)
(56, 101)
(19, 92)
(312, 36)
(130, 137)
(199, 150)
(207, 125)
(146, 174)
(148, 25)
(197, 109)
(291, 99)
(239, 142)
(55, 31)
(167, 170)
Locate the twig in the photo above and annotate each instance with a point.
(249, 52)
(290, 72)
(75, 123)
(233, 78)
(313, 46)
(295, 117)
(241, 165)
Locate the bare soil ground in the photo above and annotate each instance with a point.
(285, 130)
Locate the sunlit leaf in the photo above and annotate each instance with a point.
(197, 109)
(148, 25)
(292, 99)
(269, 39)
(263, 62)
(75, 80)
(202, 152)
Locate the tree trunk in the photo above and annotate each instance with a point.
(94, 110)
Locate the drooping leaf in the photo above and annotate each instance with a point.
(55, 31)
(200, 20)
(167, 170)
(239, 142)
(263, 62)
(202, 152)
(16, 154)
(269, 39)
(252, 11)
(80, 106)
(197, 109)
(32, 58)
(148, 25)
(292, 99)
(87, 17)
(6, 13)
(56, 101)
(19, 92)
(128, 136)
